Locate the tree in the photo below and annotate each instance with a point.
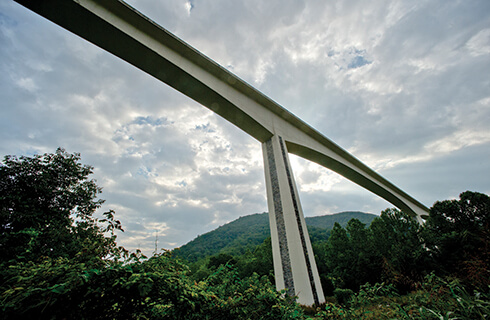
(349, 256)
(364, 267)
(258, 261)
(457, 235)
(397, 242)
(47, 206)
(338, 254)
(221, 259)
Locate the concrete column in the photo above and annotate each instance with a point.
(294, 262)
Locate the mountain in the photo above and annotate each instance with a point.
(249, 231)
(327, 221)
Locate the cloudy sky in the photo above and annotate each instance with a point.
(402, 85)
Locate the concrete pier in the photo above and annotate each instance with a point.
(294, 261)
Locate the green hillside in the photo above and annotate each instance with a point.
(249, 231)
(327, 221)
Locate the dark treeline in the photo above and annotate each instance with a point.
(58, 261)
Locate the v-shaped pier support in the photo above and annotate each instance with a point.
(294, 262)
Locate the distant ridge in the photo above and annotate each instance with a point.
(327, 221)
(249, 231)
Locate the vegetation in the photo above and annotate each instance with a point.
(247, 232)
(58, 261)
(436, 299)
(47, 207)
(234, 238)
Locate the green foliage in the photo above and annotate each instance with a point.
(343, 296)
(437, 299)
(57, 261)
(338, 252)
(390, 250)
(247, 232)
(253, 297)
(454, 241)
(342, 218)
(368, 292)
(399, 248)
(158, 288)
(234, 238)
(46, 209)
(457, 235)
(350, 256)
(258, 261)
(220, 259)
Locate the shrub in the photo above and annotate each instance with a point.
(343, 296)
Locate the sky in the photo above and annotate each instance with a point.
(402, 85)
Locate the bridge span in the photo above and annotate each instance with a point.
(118, 28)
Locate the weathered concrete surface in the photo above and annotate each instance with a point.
(294, 261)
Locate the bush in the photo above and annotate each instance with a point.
(343, 296)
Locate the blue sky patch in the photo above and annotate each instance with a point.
(358, 61)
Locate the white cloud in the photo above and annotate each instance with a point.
(459, 140)
(27, 84)
(479, 44)
(189, 6)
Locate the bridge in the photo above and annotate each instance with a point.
(118, 28)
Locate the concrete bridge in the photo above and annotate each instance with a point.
(118, 28)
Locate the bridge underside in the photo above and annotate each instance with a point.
(117, 28)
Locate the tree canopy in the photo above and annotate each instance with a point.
(47, 206)
(457, 234)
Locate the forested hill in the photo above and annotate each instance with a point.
(249, 231)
